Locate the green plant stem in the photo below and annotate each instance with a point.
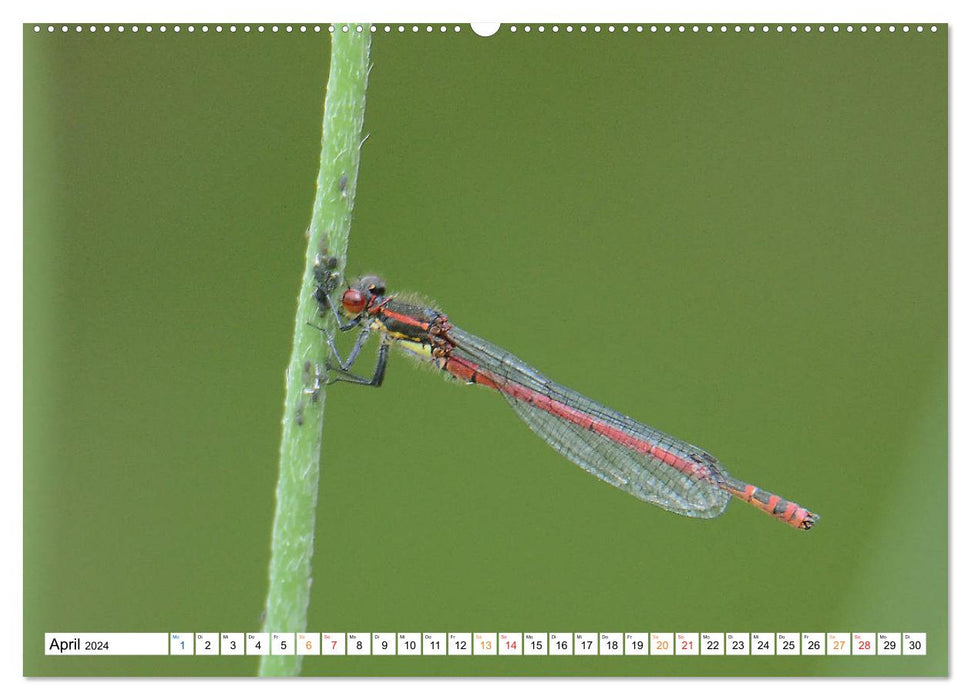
(300, 449)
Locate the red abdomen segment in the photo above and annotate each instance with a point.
(779, 508)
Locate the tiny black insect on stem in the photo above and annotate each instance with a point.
(326, 279)
(311, 381)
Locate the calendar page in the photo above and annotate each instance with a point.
(631, 357)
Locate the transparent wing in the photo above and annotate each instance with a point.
(640, 474)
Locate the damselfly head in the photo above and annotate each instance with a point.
(356, 299)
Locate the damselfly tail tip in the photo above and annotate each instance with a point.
(809, 521)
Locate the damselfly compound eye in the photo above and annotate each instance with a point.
(353, 301)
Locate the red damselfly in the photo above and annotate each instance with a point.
(643, 461)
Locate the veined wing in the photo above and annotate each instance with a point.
(643, 461)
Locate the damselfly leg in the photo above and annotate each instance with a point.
(342, 373)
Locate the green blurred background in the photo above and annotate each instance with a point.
(738, 238)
